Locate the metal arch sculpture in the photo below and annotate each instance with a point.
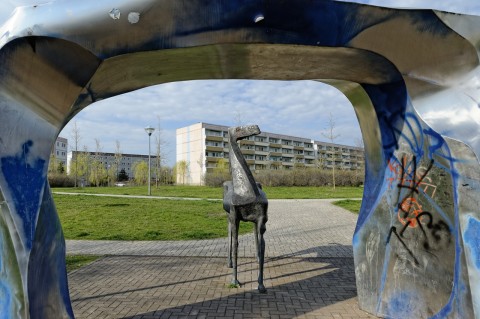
(411, 75)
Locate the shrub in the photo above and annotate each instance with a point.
(295, 177)
(61, 180)
(216, 179)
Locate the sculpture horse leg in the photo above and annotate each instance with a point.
(234, 223)
(261, 253)
(230, 242)
(255, 234)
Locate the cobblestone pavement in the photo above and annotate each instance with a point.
(309, 272)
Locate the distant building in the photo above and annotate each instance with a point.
(127, 161)
(59, 150)
(202, 145)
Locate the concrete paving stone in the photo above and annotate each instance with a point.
(309, 272)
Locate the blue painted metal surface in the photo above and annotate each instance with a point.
(411, 76)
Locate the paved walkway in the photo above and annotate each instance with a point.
(309, 272)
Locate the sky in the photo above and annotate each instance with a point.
(301, 108)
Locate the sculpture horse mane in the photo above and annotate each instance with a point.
(244, 200)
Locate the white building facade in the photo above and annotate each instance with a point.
(201, 146)
(60, 150)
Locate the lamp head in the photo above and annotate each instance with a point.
(149, 130)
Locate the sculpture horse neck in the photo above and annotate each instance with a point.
(243, 183)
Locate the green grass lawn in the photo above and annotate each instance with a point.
(351, 205)
(111, 218)
(77, 261)
(217, 192)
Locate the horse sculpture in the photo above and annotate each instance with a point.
(244, 200)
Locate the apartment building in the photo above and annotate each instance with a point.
(203, 145)
(127, 161)
(59, 150)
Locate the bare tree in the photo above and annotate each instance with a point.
(239, 121)
(52, 164)
(159, 153)
(118, 159)
(82, 164)
(201, 162)
(75, 134)
(140, 170)
(359, 143)
(98, 171)
(331, 136)
(181, 169)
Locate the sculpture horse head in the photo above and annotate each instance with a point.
(241, 132)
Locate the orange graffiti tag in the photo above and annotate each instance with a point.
(409, 211)
(407, 178)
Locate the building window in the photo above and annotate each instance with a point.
(213, 133)
(214, 154)
(213, 143)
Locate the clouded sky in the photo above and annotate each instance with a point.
(301, 108)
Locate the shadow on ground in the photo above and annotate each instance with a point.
(197, 287)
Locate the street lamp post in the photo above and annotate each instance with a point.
(149, 131)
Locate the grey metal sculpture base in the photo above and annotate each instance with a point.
(412, 78)
(244, 200)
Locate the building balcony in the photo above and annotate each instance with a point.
(214, 138)
(214, 148)
(277, 145)
(275, 154)
(246, 142)
(262, 153)
(288, 155)
(262, 143)
(247, 152)
(298, 148)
